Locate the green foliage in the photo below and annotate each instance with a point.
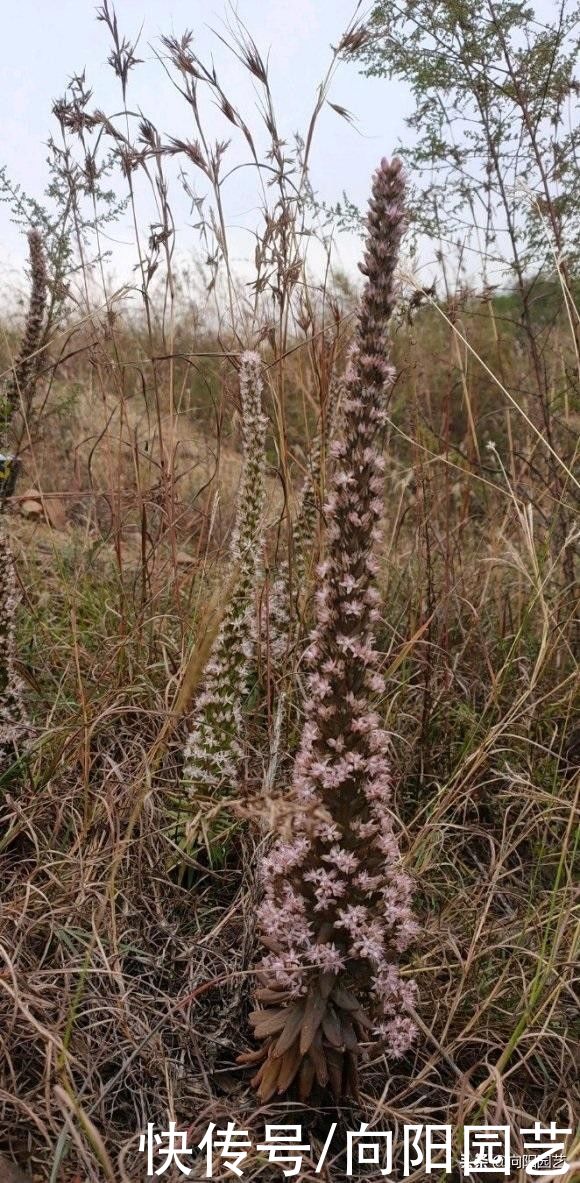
(495, 130)
(75, 204)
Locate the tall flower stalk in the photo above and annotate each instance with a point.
(336, 911)
(20, 387)
(14, 726)
(214, 747)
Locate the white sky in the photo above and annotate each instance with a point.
(46, 41)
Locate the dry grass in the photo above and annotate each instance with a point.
(123, 993)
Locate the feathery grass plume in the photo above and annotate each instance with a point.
(20, 387)
(14, 725)
(336, 912)
(213, 750)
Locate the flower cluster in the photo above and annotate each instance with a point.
(213, 750)
(21, 385)
(13, 719)
(14, 725)
(336, 912)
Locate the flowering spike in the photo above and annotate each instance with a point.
(14, 724)
(336, 908)
(20, 386)
(213, 750)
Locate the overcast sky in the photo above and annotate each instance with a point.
(44, 43)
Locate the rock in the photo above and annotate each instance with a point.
(55, 512)
(30, 508)
(31, 504)
(34, 504)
